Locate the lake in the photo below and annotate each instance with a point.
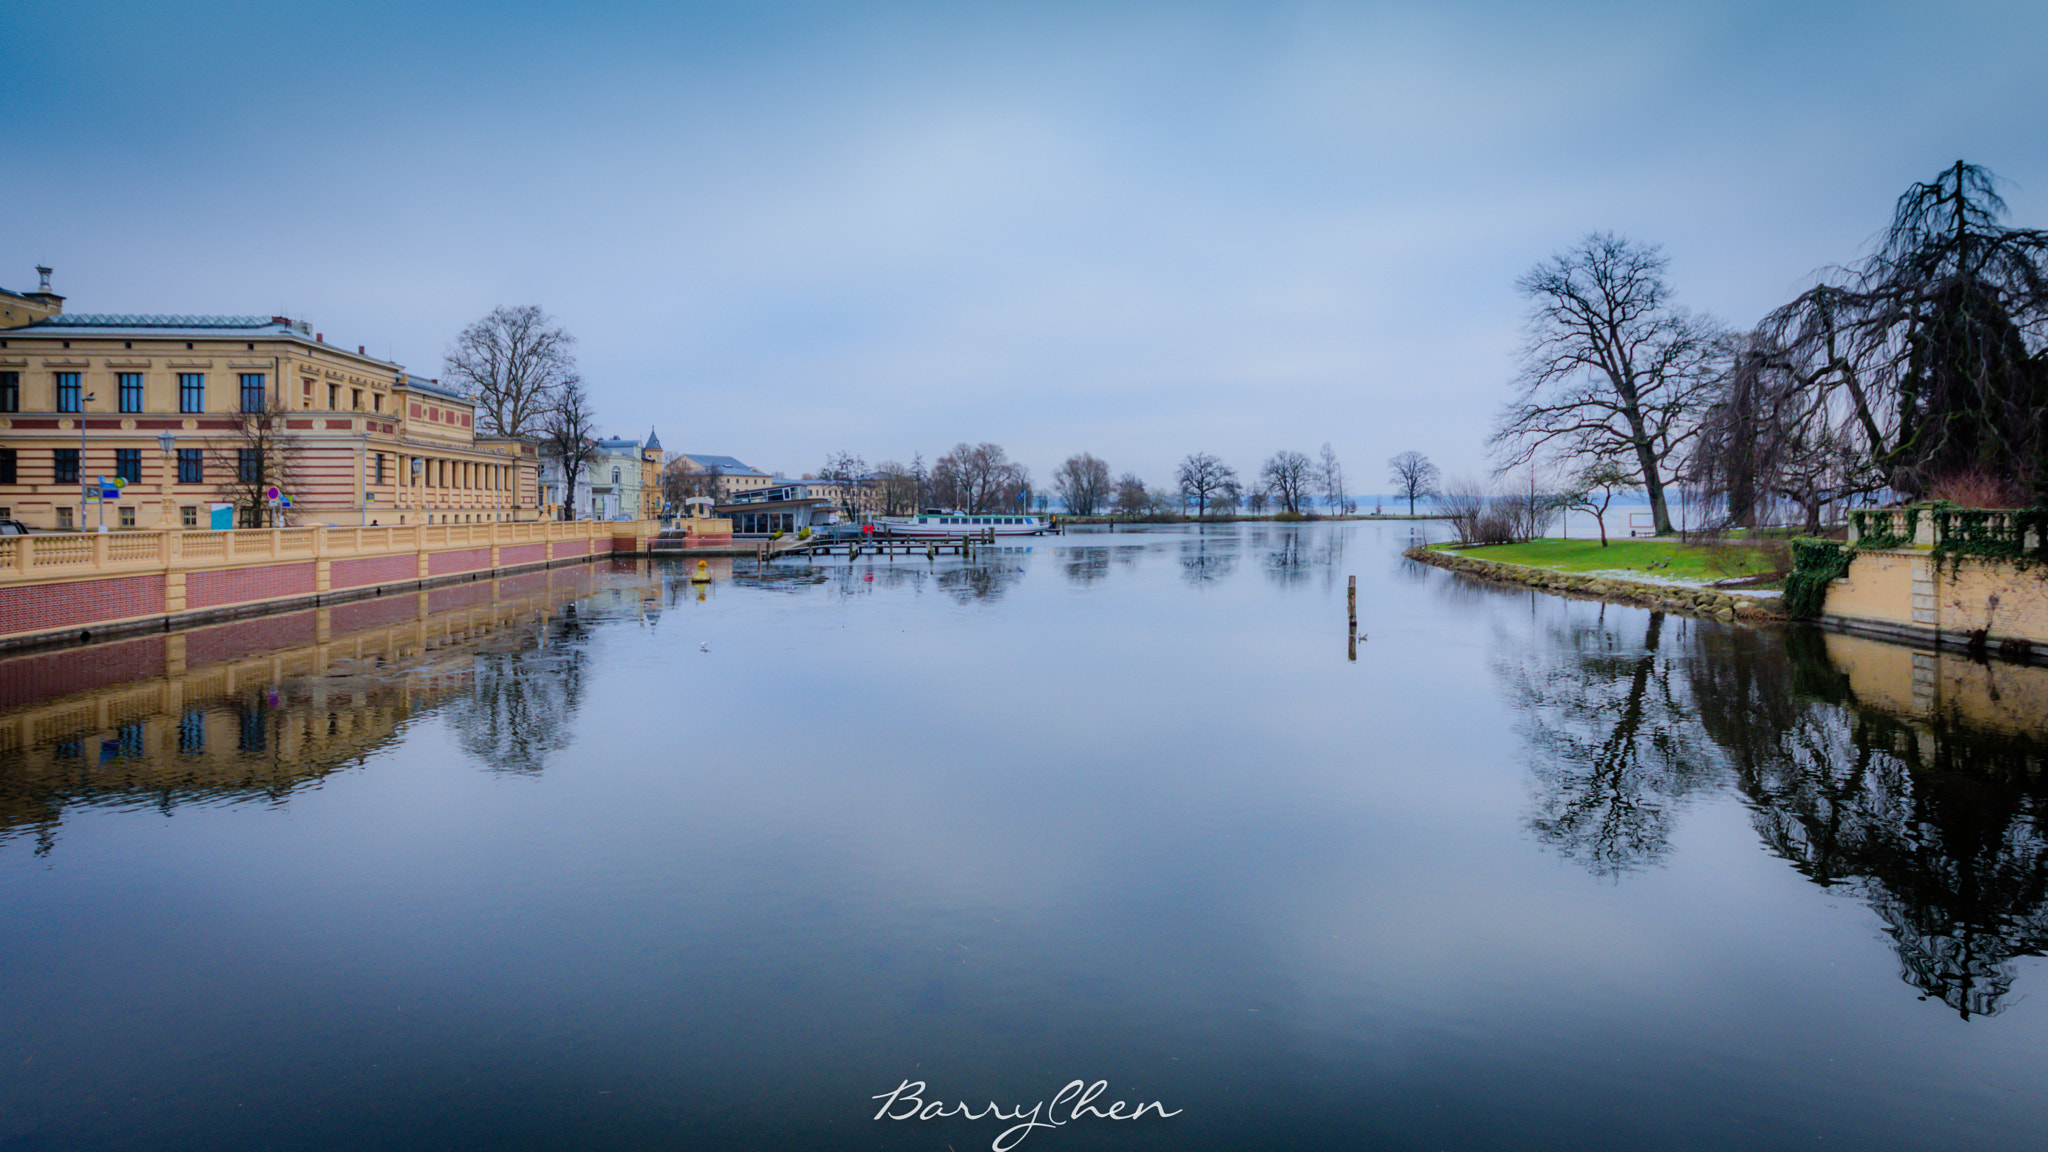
(826, 856)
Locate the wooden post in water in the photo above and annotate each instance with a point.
(1351, 610)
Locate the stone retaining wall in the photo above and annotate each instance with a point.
(1708, 602)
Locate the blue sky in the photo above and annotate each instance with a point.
(1135, 229)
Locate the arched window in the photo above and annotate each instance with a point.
(615, 475)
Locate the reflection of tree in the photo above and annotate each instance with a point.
(978, 582)
(1937, 826)
(522, 699)
(1934, 825)
(1288, 561)
(1086, 565)
(1204, 563)
(1614, 748)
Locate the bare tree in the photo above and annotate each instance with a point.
(1612, 369)
(1770, 437)
(1287, 475)
(1927, 359)
(1131, 497)
(1083, 484)
(845, 470)
(1330, 475)
(1201, 478)
(567, 433)
(898, 494)
(259, 454)
(513, 362)
(1413, 476)
(978, 478)
(1592, 488)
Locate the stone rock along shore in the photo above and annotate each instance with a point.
(1708, 602)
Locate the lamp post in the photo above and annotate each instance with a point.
(82, 402)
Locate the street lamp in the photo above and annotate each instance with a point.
(82, 402)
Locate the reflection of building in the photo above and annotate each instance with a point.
(195, 716)
(180, 412)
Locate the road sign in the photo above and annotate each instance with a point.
(271, 493)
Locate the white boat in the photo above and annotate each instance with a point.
(936, 522)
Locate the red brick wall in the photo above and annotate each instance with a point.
(460, 560)
(238, 585)
(218, 642)
(372, 570)
(378, 612)
(520, 585)
(567, 548)
(81, 603)
(32, 678)
(460, 596)
(522, 554)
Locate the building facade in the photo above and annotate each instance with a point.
(178, 414)
(722, 478)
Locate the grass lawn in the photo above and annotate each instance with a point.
(1662, 558)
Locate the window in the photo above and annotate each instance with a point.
(128, 516)
(8, 464)
(248, 464)
(67, 466)
(128, 464)
(131, 391)
(191, 465)
(252, 392)
(64, 517)
(68, 392)
(191, 391)
(615, 475)
(10, 391)
(380, 468)
(334, 395)
(188, 516)
(355, 399)
(376, 403)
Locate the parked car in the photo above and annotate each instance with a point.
(13, 528)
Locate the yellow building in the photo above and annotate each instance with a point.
(721, 478)
(182, 412)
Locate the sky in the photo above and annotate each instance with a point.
(785, 230)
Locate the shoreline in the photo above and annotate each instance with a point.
(1708, 602)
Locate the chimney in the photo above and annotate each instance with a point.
(359, 349)
(320, 337)
(43, 296)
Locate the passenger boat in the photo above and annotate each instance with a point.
(939, 522)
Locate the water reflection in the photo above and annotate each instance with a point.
(256, 710)
(1614, 745)
(1911, 779)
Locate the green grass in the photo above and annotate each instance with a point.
(1669, 557)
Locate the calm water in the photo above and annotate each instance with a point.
(593, 860)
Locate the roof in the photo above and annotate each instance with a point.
(111, 322)
(419, 385)
(653, 441)
(724, 465)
